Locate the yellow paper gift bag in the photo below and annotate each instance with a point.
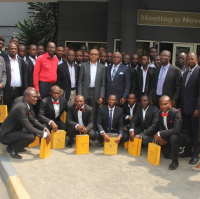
(3, 113)
(110, 148)
(134, 148)
(82, 144)
(36, 142)
(154, 154)
(63, 117)
(125, 145)
(58, 139)
(45, 150)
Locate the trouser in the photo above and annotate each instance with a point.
(18, 140)
(91, 102)
(61, 125)
(172, 146)
(99, 137)
(45, 89)
(13, 93)
(72, 132)
(146, 139)
(72, 97)
(191, 125)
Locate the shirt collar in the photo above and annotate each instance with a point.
(28, 106)
(53, 100)
(110, 108)
(11, 59)
(82, 106)
(93, 64)
(166, 112)
(165, 67)
(117, 65)
(193, 68)
(69, 64)
(146, 108)
(142, 68)
(32, 59)
(133, 105)
(48, 56)
(22, 58)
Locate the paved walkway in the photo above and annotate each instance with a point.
(67, 175)
(4, 192)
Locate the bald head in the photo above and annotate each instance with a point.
(79, 97)
(28, 91)
(165, 98)
(55, 88)
(165, 103)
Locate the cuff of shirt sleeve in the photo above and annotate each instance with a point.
(76, 126)
(101, 132)
(158, 133)
(131, 130)
(50, 122)
(127, 117)
(45, 133)
(121, 135)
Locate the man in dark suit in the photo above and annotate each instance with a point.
(110, 120)
(189, 107)
(79, 120)
(126, 60)
(30, 62)
(135, 61)
(180, 62)
(92, 82)
(51, 108)
(144, 123)
(17, 76)
(68, 74)
(11, 133)
(166, 81)
(170, 134)
(129, 109)
(144, 77)
(118, 79)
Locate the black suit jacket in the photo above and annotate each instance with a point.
(47, 112)
(4, 53)
(87, 117)
(18, 119)
(171, 86)
(23, 73)
(64, 80)
(126, 111)
(121, 84)
(149, 125)
(174, 125)
(117, 120)
(133, 73)
(190, 92)
(30, 66)
(149, 79)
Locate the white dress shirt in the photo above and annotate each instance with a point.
(93, 71)
(80, 118)
(33, 60)
(56, 108)
(60, 61)
(164, 122)
(131, 111)
(15, 73)
(72, 75)
(144, 73)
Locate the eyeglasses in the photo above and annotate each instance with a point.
(52, 48)
(94, 54)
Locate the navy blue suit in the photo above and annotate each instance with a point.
(188, 105)
(121, 84)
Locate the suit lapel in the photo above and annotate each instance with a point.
(97, 72)
(49, 101)
(88, 71)
(83, 115)
(168, 74)
(109, 72)
(148, 111)
(66, 68)
(184, 77)
(193, 74)
(60, 106)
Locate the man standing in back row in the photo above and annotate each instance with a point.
(92, 81)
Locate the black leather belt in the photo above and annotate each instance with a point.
(73, 89)
(15, 88)
(51, 84)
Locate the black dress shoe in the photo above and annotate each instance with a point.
(23, 150)
(183, 155)
(13, 153)
(194, 161)
(101, 144)
(167, 156)
(173, 165)
(69, 143)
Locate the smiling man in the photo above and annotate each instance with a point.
(12, 133)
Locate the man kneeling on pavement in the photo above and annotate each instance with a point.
(12, 133)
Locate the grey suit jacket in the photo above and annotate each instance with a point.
(84, 81)
(3, 75)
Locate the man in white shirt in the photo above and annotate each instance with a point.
(22, 52)
(79, 120)
(144, 123)
(51, 108)
(17, 76)
(92, 81)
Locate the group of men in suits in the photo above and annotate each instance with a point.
(93, 84)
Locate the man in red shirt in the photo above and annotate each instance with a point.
(45, 72)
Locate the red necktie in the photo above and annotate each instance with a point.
(79, 109)
(55, 102)
(164, 114)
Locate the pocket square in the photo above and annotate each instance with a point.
(171, 121)
(121, 73)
